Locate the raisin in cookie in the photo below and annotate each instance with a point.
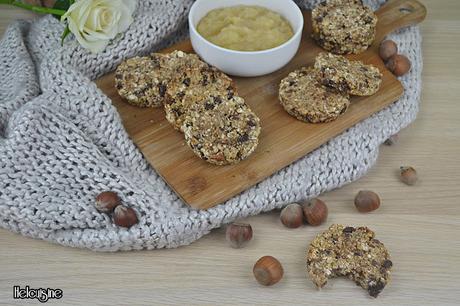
(354, 77)
(192, 86)
(352, 252)
(141, 81)
(304, 97)
(221, 130)
(343, 27)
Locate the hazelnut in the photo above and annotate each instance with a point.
(366, 201)
(107, 201)
(124, 216)
(398, 64)
(393, 139)
(292, 215)
(268, 271)
(238, 234)
(388, 48)
(408, 175)
(314, 211)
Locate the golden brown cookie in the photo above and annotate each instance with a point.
(351, 252)
(191, 86)
(304, 97)
(140, 80)
(177, 61)
(353, 77)
(343, 27)
(221, 130)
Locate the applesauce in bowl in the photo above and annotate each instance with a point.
(246, 63)
(245, 28)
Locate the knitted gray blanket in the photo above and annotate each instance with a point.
(62, 141)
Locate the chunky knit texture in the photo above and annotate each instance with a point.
(62, 142)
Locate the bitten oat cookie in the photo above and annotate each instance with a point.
(141, 81)
(351, 252)
(343, 27)
(353, 77)
(192, 86)
(221, 130)
(304, 97)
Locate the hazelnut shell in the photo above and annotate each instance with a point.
(238, 234)
(292, 215)
(107, 201)
(367, 201)
(268, 270)
(398, 64)
(124, 216)
(315, 211)
(408, 175)
(387, 49)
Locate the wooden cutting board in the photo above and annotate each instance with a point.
(283, 139)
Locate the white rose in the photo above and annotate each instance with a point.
(95, 22)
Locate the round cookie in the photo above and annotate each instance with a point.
(222, 130)
(353, 77)
(343, 27)
(140, 80)
(177, 61)
(352, 252)
(191, 86)
(304, 97)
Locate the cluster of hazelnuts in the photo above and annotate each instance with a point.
(268, 270)
(110, 203)
(398, 64)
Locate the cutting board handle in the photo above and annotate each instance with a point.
(396, 14)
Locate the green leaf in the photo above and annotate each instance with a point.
(62, 5)
(64, 34)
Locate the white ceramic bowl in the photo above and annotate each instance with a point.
(246, 63)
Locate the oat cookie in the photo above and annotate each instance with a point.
(178, 60)
(141, 81)
(343, 27)
(352, 252)
(222, 130)
(191, 86)
(354, 77)
(304, 97)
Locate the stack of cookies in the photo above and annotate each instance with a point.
(322, 93)
(343, 26)
(199, 100)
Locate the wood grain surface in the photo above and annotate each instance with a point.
(283, 139)
(420, 225)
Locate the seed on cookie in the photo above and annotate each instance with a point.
(140, 80)
(351, 252)
(353, 77)
(343, 27)
(304, 97)
(221, 129)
